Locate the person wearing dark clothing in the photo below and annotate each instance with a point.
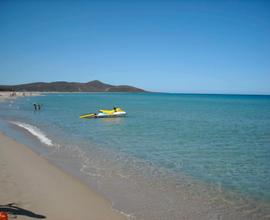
(37, 106)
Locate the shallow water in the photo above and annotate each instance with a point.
(173, 152)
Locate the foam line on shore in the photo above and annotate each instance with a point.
(34, 131)
(41, 190)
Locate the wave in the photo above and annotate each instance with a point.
(34, 131)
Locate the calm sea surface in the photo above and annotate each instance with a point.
(215, 145)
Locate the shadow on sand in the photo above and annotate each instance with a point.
(13, 209)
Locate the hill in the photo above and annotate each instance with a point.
(62, 86)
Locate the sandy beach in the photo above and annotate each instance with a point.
(13, 95)
(32, 188)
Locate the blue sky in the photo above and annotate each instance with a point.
(169, 46)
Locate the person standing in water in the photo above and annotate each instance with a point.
(37, 107)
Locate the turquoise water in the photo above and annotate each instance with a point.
(221, 140)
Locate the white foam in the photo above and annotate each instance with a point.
(34, 131)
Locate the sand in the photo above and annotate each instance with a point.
(14, 95)
(32, 188)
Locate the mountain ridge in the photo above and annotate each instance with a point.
(64, 86)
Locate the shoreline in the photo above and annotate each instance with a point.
(165, 195)
(32, 187)
(191, 206)
(9, 95)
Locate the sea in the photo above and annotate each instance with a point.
(174, 156)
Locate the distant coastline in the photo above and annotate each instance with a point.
(8, 95)
(62, 86)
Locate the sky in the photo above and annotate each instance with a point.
(163, 46)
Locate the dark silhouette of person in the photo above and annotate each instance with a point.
(35, 106)
(38, 106)
(114, 108)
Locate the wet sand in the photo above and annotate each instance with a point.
(32, 188)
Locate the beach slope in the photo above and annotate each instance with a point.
(32, 188)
